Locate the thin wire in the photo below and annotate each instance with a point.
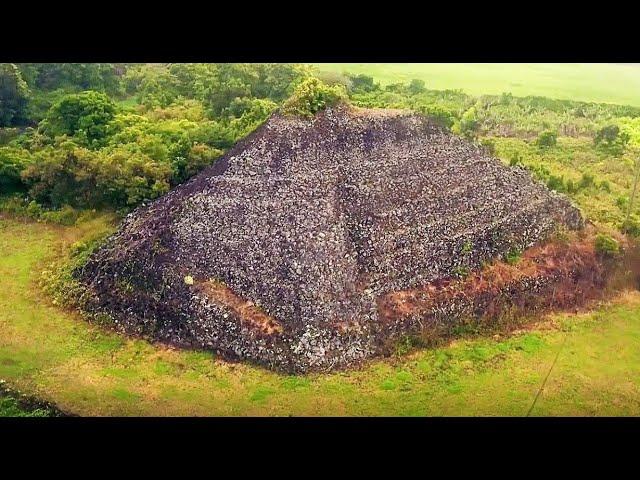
(544, 382)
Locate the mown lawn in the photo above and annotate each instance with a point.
(87, 370)
(593, 82)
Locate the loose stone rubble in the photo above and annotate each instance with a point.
(305, 224)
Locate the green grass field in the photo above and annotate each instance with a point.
(51, 353)
(608, 83)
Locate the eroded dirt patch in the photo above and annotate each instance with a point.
(557, 275)
(247, 311)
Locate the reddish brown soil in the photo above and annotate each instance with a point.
(246, 311)
(563, 274)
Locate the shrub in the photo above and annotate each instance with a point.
(460, 272)
(513, 256)
(439, 114)
(622, 202)
(631, 226)
(546, 139)
(611, 139)
(587, 180)
(311, 96)
(61, 174)
(555, 183)
(606, 245)
(14, 95)
(120, 178)
(22, 207)
(64, 216)
(13, 162)
(607, 134)
(469, 122)
(57, 279)
(489, 145)
(198, 157)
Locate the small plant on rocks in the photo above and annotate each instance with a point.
(607, 246)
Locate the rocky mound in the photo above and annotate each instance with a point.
(280, 251)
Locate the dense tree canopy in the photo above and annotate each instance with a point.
(14, 94)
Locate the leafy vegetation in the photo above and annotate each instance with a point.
(311, 96)
(606, 245)
(79, 140)
(111, 136)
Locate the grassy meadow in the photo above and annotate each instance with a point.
(595, 82)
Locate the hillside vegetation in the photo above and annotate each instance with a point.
(111, 136)
(83, 144)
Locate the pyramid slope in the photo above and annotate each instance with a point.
(294, 234)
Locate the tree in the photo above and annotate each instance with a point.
(416, 86)
(14, 96)
(61, 175)
(101, 77)
(612, 139)
(84, 116)
(311, 96)
(363, 83)
(628, 225)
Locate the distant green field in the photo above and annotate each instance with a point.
(596, 82)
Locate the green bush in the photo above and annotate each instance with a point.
(631, 226)
(64, 216)
(416, 86)
(513, 256)
(13, 161)
(489, 145)
(606, 245)
(469, 122)
(587, 180)
(441, 115)
(67, 174)
(311, 96)
(556, 183)
(515, 160)
(611, 139)
(547, 139)
(363, 83)
(23, 207)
